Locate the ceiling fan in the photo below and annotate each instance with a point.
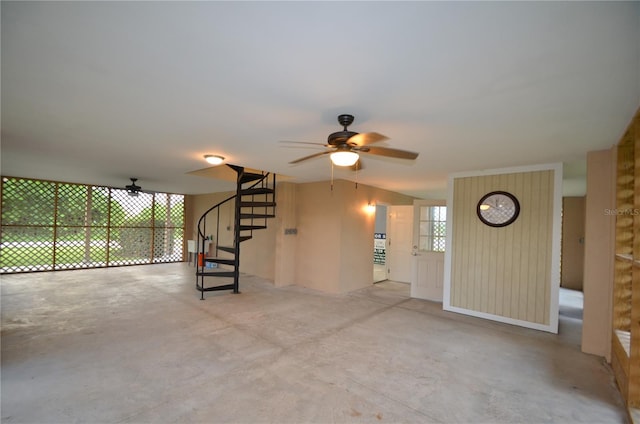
(345, 146)
(132, 189)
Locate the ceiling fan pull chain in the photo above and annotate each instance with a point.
(357, 169)
(331, 176)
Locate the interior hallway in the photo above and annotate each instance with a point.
(136, 345)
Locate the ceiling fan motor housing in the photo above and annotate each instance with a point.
(345, 120)
(340, 137)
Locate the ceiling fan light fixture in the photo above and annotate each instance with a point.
(214, 159)
(342, 158)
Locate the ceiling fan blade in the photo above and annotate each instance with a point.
(304, 142)
(310, 157)
(392, 153)
(364, 139)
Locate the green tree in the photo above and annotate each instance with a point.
(27, 202)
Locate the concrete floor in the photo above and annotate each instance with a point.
(136, 345)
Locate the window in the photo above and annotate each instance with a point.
(433, 226)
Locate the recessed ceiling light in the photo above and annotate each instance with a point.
(214, 159)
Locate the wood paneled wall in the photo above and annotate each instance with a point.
(504, 271)
(625, 359)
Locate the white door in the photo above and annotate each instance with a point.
(399, 242)
(429, 226)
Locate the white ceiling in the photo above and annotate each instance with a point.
(97, 92)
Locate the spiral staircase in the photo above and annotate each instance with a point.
(253, 205)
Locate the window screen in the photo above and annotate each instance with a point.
(49, 225)
(433, 225)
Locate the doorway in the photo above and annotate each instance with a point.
(380, 245)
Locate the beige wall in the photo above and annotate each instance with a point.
(505, 271)
(573, 213)
(332, 250)
(286, 221)
(258, 254)
(200, 204)
(335, 234)
(318, 240)
(599, 252)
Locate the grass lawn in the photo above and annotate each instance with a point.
(24, 256)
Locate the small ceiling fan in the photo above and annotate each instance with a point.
(345, 146)
(132, 189)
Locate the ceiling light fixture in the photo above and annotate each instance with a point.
(344, 158)
(214, 159)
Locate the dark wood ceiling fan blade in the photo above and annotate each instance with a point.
(392, 153)
(310, 157)
(364, 139)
